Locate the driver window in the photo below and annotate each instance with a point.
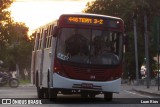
(77, 43)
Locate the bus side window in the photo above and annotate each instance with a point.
(50, 30)
(37, 37)
(40, 40)
(46, 38)
(35, 40)
(50, 35)
(47, 42)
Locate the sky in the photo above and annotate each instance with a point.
(35, 13)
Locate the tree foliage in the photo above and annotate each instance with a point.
(5, 20)
(15, 47)
(127, 10)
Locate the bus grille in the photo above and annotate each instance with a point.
(90, 74)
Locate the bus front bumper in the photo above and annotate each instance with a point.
(60, 82)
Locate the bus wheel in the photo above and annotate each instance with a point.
(40, 93)
(92, 95)
(84, 95)
(108, 96)
(53, 94)
(46, 93)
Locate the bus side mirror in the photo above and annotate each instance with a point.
(55, 31)
(125, 39)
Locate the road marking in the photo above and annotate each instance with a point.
(138, 94)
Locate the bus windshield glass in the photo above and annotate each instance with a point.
(89, 46)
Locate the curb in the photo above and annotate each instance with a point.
(27, 85)
(146, 92)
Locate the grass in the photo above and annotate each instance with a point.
(24, 82)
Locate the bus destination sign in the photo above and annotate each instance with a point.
(85, 20)
(92, 21)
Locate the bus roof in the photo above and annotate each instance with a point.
(91, 15)
(77, 14)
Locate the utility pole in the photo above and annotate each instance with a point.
(158, 49)
(135, 44)
(146, 49)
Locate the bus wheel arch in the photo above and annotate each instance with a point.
(40, 91)
(108, 96)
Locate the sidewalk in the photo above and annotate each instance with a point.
(142, 88)
(152, 90)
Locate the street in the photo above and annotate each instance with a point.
(30, 92)
(124, 98)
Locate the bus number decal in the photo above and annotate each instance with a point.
(63, 57)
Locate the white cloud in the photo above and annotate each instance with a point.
(35, 13)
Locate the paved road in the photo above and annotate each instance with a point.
(126, 96)
(20, 92)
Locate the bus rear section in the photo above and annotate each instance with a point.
(86, 57)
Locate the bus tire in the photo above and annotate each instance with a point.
(84, 95)
(46, 93)
(108, 96)
(92, 95)
(40, 93)
(53, 94)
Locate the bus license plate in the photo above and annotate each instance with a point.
(87, 85)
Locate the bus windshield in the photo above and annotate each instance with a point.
(89, 46)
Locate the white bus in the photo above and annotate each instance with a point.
(78, 54)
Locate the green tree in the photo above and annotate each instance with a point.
(5, 21)
(125, 10)
(15, 47)
(19, 46)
